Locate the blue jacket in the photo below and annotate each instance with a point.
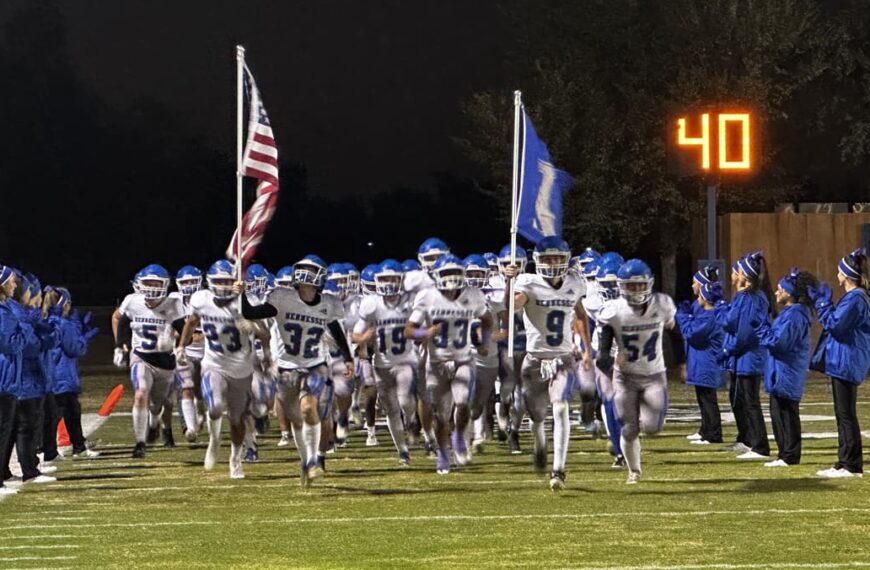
(12, 340)
(788, 343)
(72, 346)
(704, 356)
(746, 314)
(36, 375)
(847, 353)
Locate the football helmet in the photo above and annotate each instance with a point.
(310, 270)
(337, 278)
(635, 280)
(389, 277)
(352, 277)
(504, 258)
(429, 252)
(588, 256)
(477, 270)
(551, 257)
(411, 265)
(188, 280)
(606, 278)
(153, 282)
(220, 278)
(367, 279)
(284, 277)
(256, 277)
(612, 255)
(449, 273)
(491, 261)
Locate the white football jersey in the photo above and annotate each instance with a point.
(152, 328)
(592, 304)
(494, 306)
(351, 315)
(196, 349)
(455, 318)
(639, 336)
(303, 327)
(227, 348)
(389, 321)
(548, 315)
(416, 281)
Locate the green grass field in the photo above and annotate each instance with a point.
(695, 507)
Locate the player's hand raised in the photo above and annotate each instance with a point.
(511, 271)
(238, 287)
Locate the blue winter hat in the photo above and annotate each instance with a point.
(751, 263)
(789, 282)
(6, 274)
(849, 265)
(712, 292)
(706, 275)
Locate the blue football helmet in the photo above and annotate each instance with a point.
(606, 278)
(551, 257)
(411, 265)
(310, 270)
(270, 281)
(352, 277)
(635, 280)
(284, 277)
(449, 273)
(153, 282)
(504, 258)
(429, 252)
(255, 280)
(331, 288)
(612, 255)
(367, 279)
(491, 261)
(477, 271)
(220, 278)
(188, 280)
(337, 278)
(389, 277)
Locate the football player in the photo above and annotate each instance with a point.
(188, 376)
(442, 317)
(263, 381)
(511, 406)
(637, 321)
(304, 315)
(382, 319)
(552, 312)
(149, 315)
(227, 363)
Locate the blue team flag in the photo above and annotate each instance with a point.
(541, 187)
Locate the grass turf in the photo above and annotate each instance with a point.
(696, 507)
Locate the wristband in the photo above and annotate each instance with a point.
(421, 334)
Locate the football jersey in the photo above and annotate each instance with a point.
(226, 347)
(494, 306)
(389, 321)
(496, 295)
(303, 327)
(196, 349)
(455, 318)
(416, 281)
(592, 304)
(639, 335)
(152, 328)
(548, 315)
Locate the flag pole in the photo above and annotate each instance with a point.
(240, 103)
(518, 104)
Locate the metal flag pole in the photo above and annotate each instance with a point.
(518, 104)
(240, 103)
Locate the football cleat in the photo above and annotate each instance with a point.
(514, 443)
(429, 446)
(694, 436)
(304, 480)
(152, 434)
(372, 440)
(633, 478)
(404, 458)
(190, 435)
(86, 454)
(139, 450)
(477, 446)
(557, 481)
(618, 462)
(442, 463)
(252, 455)
(284, 441)
(210, 455)
(168, 439)
(237, 470)
(460, 450)
(314, 470)
(321, 462)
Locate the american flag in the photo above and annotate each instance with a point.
(260, 161)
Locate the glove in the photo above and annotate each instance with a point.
(821, 295)
(86, 321)
(685, 307)
(119, 357)
(91, 333)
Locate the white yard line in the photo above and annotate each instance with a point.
(448, 518)
(39, 547)
(729, 566)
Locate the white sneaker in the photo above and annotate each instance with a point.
(694, 437)
(372, 440)
(738, 448)
(315, 471)
(86, 454)
(210, 456)
(776, 463)
(14, 481)
(633, 478)
(47, 468)
(4, 491)
(237, 470)
(42, 479)
(834, 473)
(752, 456)
(699, 442)
(190, 435)
(284, 442)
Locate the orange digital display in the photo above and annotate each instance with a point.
(731, 146)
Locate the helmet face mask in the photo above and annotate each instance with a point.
(450, 279)
(388, 283)
(551, 265)
(305, 273)
(152, 287)
(607, 287)
(476, 277)
(188, 285)
(221, 286)
(635, 281)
